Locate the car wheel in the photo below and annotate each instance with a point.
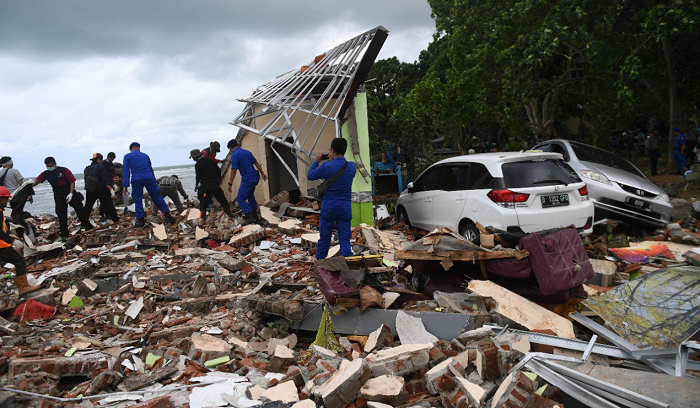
(470, 232)
(401, 216)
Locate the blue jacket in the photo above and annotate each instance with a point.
(339, 193)
(244, 161)
(679, 141)
(139, 164)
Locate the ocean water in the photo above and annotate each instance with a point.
(44, 202)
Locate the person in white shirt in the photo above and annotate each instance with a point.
(9, 176)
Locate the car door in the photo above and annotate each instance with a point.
(451, 196)
(479, 208)
(419, 202)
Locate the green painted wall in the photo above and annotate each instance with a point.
(362, 208)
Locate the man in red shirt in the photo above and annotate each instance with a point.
(211, 151)
(62, 181)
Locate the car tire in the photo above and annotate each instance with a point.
(402, 216)
(470, 232)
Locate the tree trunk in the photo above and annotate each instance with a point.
(676, 114)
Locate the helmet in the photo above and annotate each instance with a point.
(4, 192)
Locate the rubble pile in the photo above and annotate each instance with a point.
(204, 314)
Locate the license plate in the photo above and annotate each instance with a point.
(556, 200)
(638, 204)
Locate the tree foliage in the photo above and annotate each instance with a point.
(520, 70)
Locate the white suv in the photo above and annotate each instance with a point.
(513, 191)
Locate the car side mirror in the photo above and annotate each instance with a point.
(409, 187)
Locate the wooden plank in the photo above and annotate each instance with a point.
(459, 255)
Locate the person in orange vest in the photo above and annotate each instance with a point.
(11, 248)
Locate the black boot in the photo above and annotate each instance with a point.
(139, 223)
(249, 218)
(169, 219)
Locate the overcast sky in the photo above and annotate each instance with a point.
(78, 77)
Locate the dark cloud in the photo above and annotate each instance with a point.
(93, 75)
(80, 28)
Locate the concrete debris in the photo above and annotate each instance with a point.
(206, 311)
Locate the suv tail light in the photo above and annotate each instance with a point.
(505, 197)
(584, 192)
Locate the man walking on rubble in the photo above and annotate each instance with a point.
(112, 173)
(99, 185)
(62, 182)
(139, 173)
(11, 248)
(208, 183)
(169, 187)
(244, 161)
(336, 207)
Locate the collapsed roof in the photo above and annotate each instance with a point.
(320, 92)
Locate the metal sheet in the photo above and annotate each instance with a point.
(658, 310)
(444, 326)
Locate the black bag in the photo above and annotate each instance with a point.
(2, 178)
(321, 190)
(92, 183)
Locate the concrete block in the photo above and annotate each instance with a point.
(380, 338)
(474, 393)
(206, 347)
(343, 387)
(162, 401)
(282, 357)
(388, 389)
(515, 391)
(443, 377)
(248, 235)
(268, 217)
(488, 361)
(290, 227)
(401, 360)
(472, 337)
(307, 403)
(285, 392)
(76, 365)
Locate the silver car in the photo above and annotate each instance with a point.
(618, 189)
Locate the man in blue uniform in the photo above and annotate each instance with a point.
(138, 169)
(244, 161)
(336, 206)
(679, 150)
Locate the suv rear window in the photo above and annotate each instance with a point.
(538, 173)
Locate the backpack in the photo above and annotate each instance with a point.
(92, 183)
(2, 178)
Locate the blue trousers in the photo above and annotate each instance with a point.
(246, 196)
(153, 190)
(342, 218)
(680, 160)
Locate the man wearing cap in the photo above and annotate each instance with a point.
(139, 173)
(208, 183)
(211, 151)
(11, 248)
(244, 161)
(62, 182)
(169, 187)
(9, 176)
(98, 185)
(679, 149)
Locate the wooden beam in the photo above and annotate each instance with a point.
(459, 255)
